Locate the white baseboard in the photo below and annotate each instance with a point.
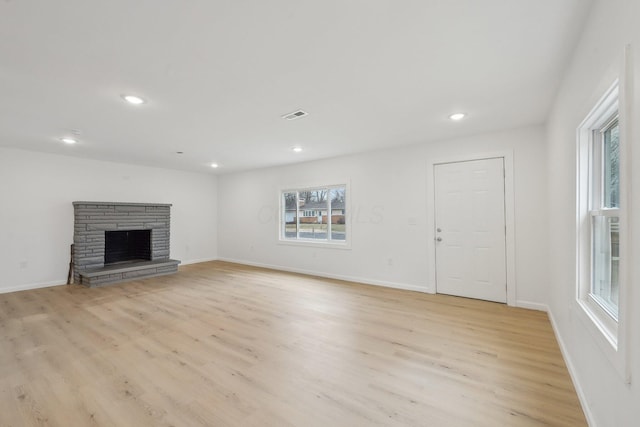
(198, 261)
(532, 305)
(29, 286)
(363, 280)
(572, 371)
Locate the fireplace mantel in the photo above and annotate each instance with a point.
(93, 219)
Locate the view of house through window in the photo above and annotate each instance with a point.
(316, 214)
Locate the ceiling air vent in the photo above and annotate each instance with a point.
(295, 115)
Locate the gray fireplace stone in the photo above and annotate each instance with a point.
(92, 219)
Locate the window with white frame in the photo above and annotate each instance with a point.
(599, 215)
(314, 214)
(605, 216)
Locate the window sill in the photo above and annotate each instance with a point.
(595, 315)
(316, 244)
(605, 338)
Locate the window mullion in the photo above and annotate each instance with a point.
(595, 194)
(601, 169)
(612, 212)
(329, 214)
(297, 214)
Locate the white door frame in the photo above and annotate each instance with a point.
(507, 155)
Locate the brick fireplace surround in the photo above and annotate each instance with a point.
(92, 219)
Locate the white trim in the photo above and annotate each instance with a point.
(627, 136)
(532, 305)
(316, 244)
(197, 261)
(509, 206)
(30, 286)
(610, 336)
(573, 373)
(327, 244)
(345, 278)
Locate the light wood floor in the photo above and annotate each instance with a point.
(220, 344)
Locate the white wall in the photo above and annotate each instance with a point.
(36, 214)
(388, 188)
(596, 64)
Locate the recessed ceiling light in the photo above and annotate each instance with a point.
(68, 140)
(132, 99)
(214, 165)
(457, 116)
(297, 149)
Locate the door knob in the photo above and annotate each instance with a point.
(439, 239)
(439, 230)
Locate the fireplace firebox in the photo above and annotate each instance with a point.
(126, 246)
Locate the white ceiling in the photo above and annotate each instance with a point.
(219, 74)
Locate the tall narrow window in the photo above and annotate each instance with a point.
(600, 216)
(605, 216)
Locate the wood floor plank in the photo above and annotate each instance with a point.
(221, 344)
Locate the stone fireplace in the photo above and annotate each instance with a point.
(115, 242)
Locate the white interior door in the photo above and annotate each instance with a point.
(470, 229)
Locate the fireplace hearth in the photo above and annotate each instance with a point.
(115, 242)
